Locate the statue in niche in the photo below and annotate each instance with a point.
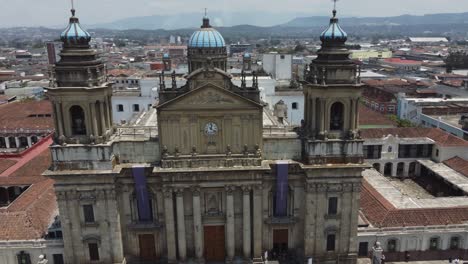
(42, 260)
(281, 111)
(377, 253)
(212, 204)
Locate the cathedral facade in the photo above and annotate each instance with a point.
(215, 183)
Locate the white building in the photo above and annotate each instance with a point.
(440, 113)
(129, 100)
(278, 65)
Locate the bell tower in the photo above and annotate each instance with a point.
(331, 92)
(79, 91)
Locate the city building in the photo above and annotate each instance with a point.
(443, 113)
(366, 54)
(413, 201)
(216, 178)
(29, 225)
(401, 64)
(279, 66)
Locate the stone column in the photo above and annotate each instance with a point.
(309, 223)
(102, 118)
(115, 234)
(246, 221)
(257, 221)
(58, 109)
(29, 141)
(323, 115)
(230, 240)
(169, 223)
(109, 112)
(352, 114)
(76, 221)
(394, 169)
(95, 129)
(181, 225)
(197, 225)
(313, 113)
(17, 141)
(417, 169)
(405, 169)
(69, 253)
(7, 142)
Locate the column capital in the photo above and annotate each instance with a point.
(167, 192)
(356, 187)
(230, 189)
(347, 187)
(311, 187)
(258, 188)
(100, 195)
(195, 190)
(246, 189)
(179, 192)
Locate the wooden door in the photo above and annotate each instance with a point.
(214, 243)
(147, 248)
(280, 239)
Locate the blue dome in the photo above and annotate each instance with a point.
(166, 56)
(206, 37)
(247, 55)
(74, 33)
(334, 32)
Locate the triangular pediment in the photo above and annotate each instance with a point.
(210, 96)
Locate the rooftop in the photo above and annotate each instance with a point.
(384, 205)
(30, 214)
(401, 61)
(458, 164)
(373, 119)
(440, 137)
(26, 115)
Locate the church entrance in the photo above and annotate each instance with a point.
(280, 241)
(147, 249)
(214, 243)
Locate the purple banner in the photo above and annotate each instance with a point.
(144, 207)
(281, 188)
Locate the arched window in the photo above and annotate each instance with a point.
(23, 258)
(78, 120)
(336, 116)
(455, 242)
(434, 243)
(391, 245)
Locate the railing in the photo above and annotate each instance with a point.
(136, 132)
(21, 131)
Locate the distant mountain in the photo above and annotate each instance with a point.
(403, 20)
(192, 20)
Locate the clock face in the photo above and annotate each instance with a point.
(211, 129)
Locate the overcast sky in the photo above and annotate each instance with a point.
(55, 12)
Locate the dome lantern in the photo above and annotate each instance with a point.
(74, 34)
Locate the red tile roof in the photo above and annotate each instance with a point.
(368, 117)
(5, 164)
(381, 213)
(400, 61)
(29, 216)
(26, 163)
(442, 138)
(458, 164)
(23, 115)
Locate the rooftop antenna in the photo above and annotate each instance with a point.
(334, 7)
(73, 7)
(206, 11)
